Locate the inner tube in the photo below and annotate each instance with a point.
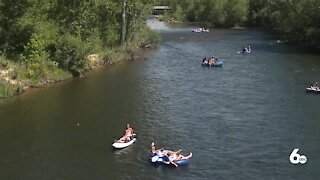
(183, 162)
(217, 64)
(313, 90)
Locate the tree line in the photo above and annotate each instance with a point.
(50, 40)
(65, 31)
(294, 20)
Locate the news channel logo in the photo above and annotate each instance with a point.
(296, 158)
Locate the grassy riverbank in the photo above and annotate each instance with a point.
(47, 41)
(15, 77)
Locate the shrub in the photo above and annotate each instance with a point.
(71, 53)
(7, 89)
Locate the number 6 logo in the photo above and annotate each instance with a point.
(296, 158)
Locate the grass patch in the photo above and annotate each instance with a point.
(7, 89)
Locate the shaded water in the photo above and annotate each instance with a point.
(241, 121)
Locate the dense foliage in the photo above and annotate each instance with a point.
(294, 20)
(45, 41)
(65, 31)
(213, 12)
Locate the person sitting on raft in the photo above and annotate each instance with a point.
(212, 61)
(315, 85)
(155, 151)
(246, 49)
(128, 133)
(204, 60)
(176, 156)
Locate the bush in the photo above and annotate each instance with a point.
(35, 50)
(4, 63)
(71, 53)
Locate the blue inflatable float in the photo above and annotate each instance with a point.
(161, 158)
(217, 64)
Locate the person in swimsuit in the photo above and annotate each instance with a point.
(155, 151)
(128, 133)
(249, 48)
(204, 60)
(176, 156)
(315, 86)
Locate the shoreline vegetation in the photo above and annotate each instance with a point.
(10, 85)
(292, 21)
(43, 42)
(15, 78)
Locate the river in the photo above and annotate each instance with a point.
(241, 121)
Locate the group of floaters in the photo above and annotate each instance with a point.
(211, 61)
(163, 156)
(158, 156)
(200, 29)
(214, 62)
(314, 88)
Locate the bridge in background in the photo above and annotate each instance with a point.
(156, 10)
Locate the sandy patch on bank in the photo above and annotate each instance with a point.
(4, 74)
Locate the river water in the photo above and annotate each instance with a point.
(241, 121)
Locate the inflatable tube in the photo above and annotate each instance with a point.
(244, 51)
(120, 145)
(199, 31)
(196, 31)
(217, 64)
(313, 90)
(182, 162)
(163, 159)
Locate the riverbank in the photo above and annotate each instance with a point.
(16, 78)
(43, 42)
